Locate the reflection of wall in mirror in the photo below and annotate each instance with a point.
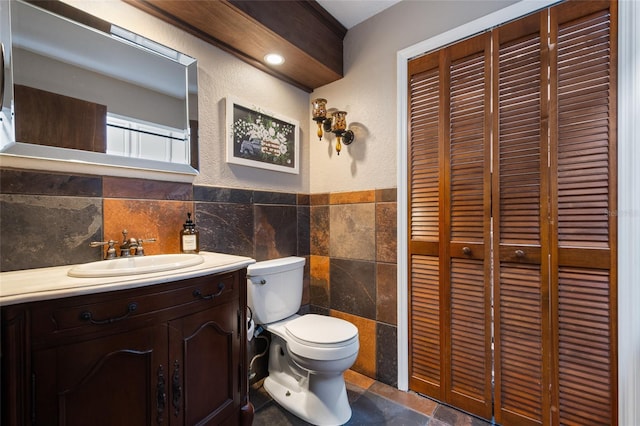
(120, 97)
(62, 121)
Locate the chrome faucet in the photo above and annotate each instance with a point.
(126, 246)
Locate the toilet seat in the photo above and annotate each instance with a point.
(321, 330)
(318, 337)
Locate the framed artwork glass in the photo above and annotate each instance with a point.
(262, 139)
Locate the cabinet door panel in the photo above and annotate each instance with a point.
(206, 346)
(107, 381)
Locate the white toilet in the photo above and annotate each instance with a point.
(308, 353)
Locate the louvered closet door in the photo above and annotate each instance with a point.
(424, 226)
(584, 199)
(520, 212)
(465, 267)
(512, 219)
(450, 311)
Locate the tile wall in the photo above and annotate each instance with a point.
(348, 239)
(353, 272)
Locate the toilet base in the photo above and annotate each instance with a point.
(322, 401)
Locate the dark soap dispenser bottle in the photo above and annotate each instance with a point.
(189, 237)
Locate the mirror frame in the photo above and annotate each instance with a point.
(23, 155)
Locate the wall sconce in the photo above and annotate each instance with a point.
(335, 123)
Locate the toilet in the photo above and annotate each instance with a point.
(308, 353)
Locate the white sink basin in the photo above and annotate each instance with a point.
(135, 265)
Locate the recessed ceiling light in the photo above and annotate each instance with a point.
(274, 59)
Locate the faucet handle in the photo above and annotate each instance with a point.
(140, 248)
(111, 251)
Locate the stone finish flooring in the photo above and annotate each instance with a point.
(372, 403)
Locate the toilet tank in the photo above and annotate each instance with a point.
(274, 288)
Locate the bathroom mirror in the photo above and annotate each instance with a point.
(79, 89)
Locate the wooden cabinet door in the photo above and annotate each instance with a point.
(112, 380)
(205, 381)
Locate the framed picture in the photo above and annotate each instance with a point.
(257, 138)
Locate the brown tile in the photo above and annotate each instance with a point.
(366, 361)
(306, 282)
(352, 287)
(319, 281)
(357, 379)
(408, 399)
(319, 230)
(39, 231)
(352, 197)
(275, 231)
(45, 183)
(386, 293)
(162, 220)
(319, 199)
(303, 199)
(387, 354)
(303, 220)
(226, 227)
(352, 231)
(119, 187)
(386, 195)
(386, 228)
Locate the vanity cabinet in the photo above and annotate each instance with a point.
(166, 354)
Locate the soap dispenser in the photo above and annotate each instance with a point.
(189, 237)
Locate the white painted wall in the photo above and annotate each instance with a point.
(368, 91)
(220, 75)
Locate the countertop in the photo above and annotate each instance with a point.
(32, 285)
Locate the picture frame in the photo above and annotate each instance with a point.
(262, 139)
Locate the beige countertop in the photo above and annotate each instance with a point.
(32, 285)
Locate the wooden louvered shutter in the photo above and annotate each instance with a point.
(424, 228)
(449, 217)
(520, 213)
(583, 152)
(465, 267)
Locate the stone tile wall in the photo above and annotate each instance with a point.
(353, 271)
(348, 239)
(49, 219)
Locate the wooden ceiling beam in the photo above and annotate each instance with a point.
(302, 31)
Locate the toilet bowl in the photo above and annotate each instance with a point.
(308, 354)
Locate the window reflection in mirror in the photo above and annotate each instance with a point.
(112, 93)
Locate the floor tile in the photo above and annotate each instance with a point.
(358, 379)
(453, 417)
(371, 409)
(409, 400)
(274, 415)
(373, 404)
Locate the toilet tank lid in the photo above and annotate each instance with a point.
(275, 266)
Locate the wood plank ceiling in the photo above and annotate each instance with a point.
(303, 32)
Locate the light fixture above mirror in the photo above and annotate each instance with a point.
(334, 122)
